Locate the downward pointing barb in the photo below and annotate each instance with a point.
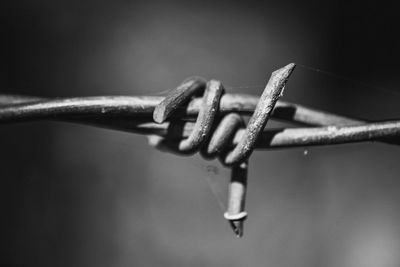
(236, 213)
(237, 227)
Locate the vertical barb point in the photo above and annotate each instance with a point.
(237, 227)
(236, 213)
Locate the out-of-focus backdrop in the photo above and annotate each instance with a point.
(76, 195)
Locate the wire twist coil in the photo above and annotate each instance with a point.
(216, 141)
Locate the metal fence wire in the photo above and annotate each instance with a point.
(198, 116)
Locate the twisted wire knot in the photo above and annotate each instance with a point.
(210, 135)
(213, 136)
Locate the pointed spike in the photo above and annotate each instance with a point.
(160, 114)
(237, 227)
(177, 97)
(236, 213)
(284, 72)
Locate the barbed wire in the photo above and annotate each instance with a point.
(199, 116)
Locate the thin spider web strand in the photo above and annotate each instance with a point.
(351, 80)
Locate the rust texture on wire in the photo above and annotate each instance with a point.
(199, 116)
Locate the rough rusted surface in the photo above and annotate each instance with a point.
(328, 135)
(222, 135)
(205, 119)
(259, 119)
(35, 108)
(288, 137)
(177, 97)
(237, 158)
(236, 213)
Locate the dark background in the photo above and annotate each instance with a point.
(75, 195)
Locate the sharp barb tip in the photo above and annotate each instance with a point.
(237, 227)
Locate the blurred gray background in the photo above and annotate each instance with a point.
(76, 195)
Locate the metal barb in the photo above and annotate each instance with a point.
(177, 97)
(235, 212)
(261, 115)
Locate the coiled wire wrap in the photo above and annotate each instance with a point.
(216, 141)
(211, 140)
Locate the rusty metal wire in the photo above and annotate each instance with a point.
(16, 108)
(199, 116)
(237, 157)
